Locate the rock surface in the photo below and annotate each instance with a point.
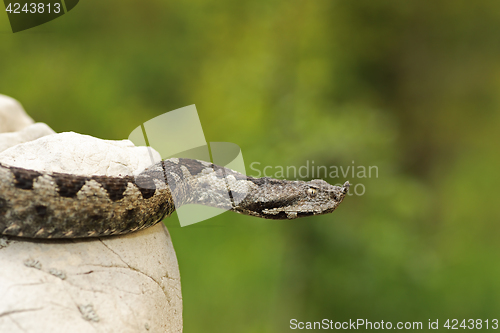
(30, 133)
(12, 115)
(127, 283)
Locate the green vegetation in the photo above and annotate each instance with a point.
(411, 87)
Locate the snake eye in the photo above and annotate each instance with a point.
(311, 191)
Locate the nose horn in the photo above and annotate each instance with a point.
(345, 187)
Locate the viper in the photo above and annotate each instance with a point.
(36, 204)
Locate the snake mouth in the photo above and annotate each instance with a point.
(305, 214)
(286, 215)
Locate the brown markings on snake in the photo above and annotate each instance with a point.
(193, 166)
(41, 210)
(114, 186)
(130, 214)
(24, 178)
(4, 206)
(146, 186)
(68, 186)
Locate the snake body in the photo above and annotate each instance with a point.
(37, 204)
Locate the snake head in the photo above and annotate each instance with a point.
(320, 198)
(281, 199)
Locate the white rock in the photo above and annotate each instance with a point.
(27, 134)
(12, 115)
(80, 154)
(127, 283)
(121, 284)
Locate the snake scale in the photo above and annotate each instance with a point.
(36, 204)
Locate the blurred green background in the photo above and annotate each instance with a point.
(412, 87)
